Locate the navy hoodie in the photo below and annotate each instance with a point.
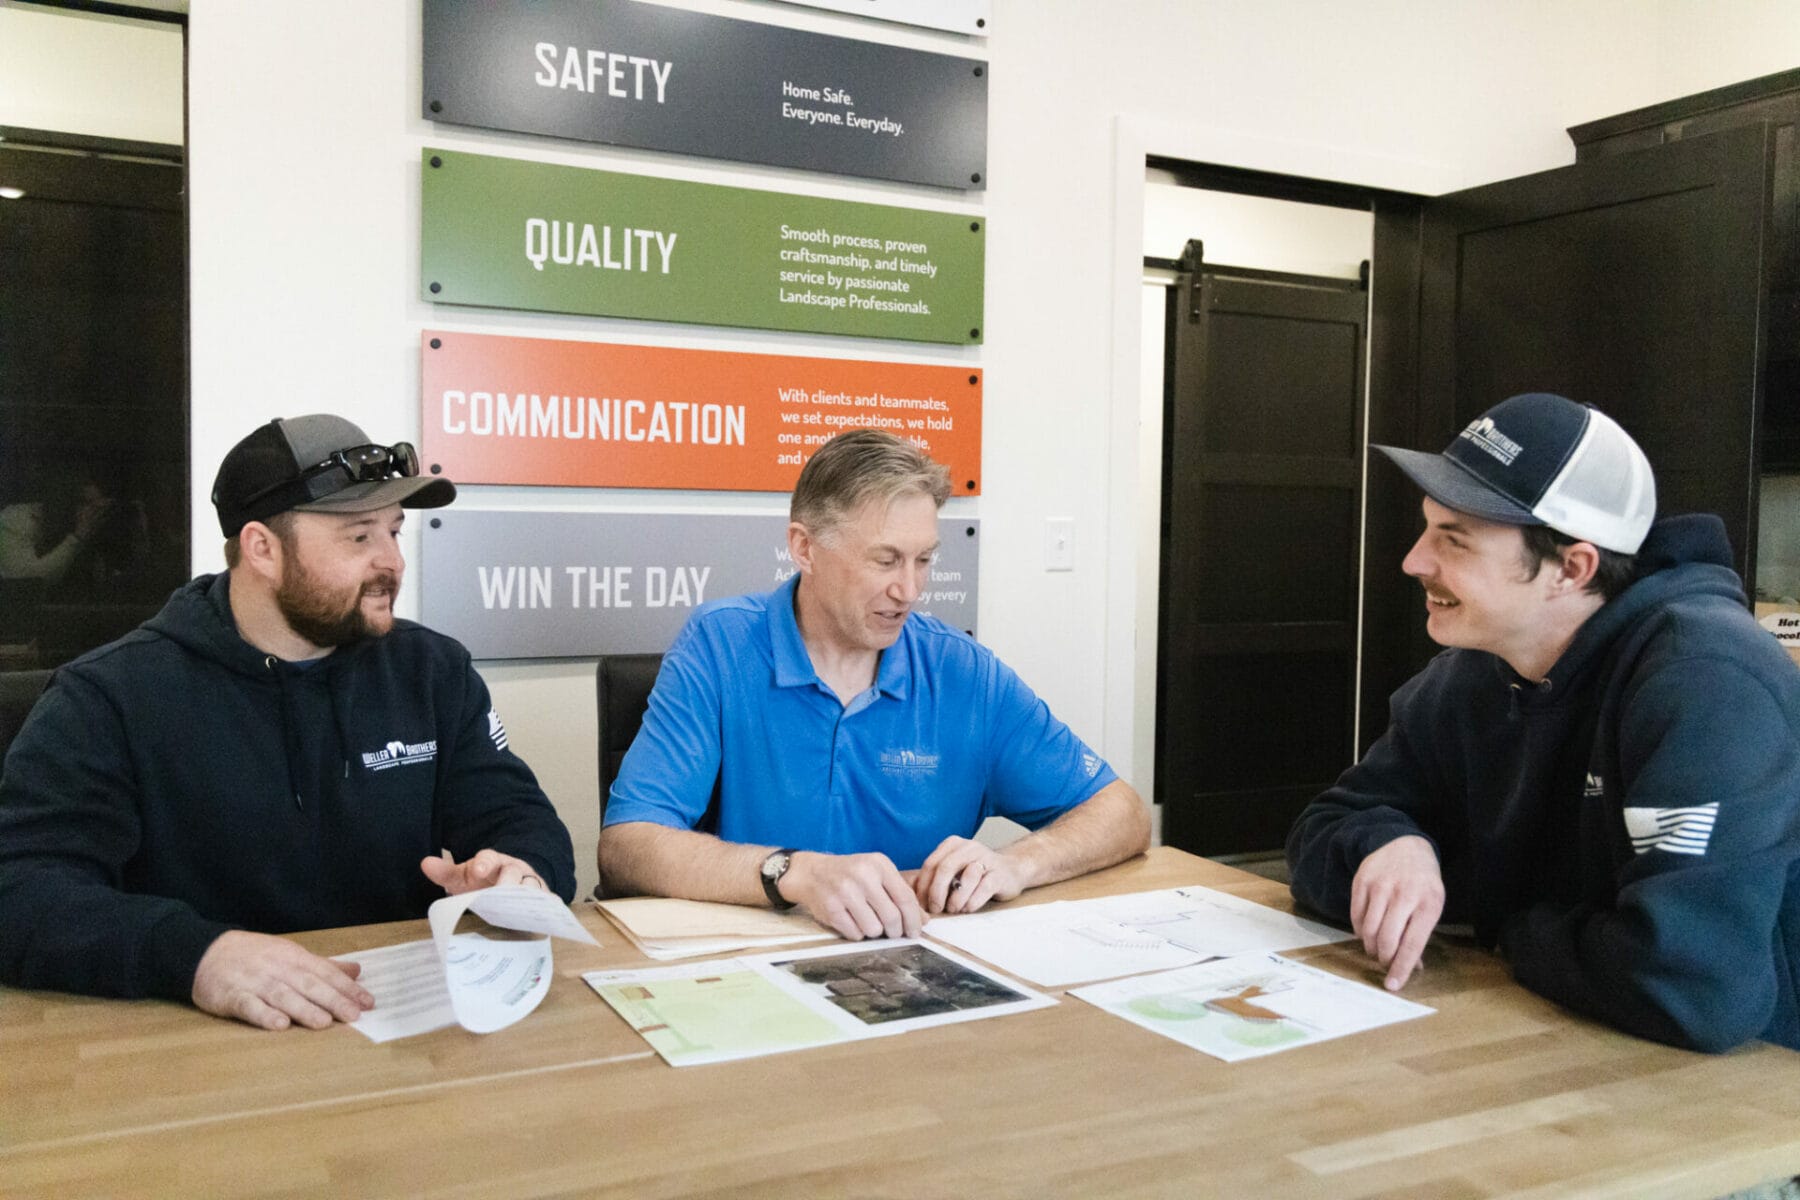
(1627, 831)
(179, 782)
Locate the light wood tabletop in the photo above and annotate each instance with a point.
(1497, 1093)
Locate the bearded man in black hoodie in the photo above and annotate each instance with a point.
(274, 751)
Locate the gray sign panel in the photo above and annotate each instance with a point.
(630, 74)
(577, 585)
(957, 16)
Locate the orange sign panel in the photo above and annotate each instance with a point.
(594, 414)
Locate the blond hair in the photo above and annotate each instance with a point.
(857, 467)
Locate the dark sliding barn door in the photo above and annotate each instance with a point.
(1261, 542)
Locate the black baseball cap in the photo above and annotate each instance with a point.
(318, 463)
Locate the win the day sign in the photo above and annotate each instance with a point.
(517, 410)
(660, 78)
(507, 233)
(575, 585)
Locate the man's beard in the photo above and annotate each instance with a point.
(321, 616)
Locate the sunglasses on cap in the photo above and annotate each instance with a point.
(358, 464)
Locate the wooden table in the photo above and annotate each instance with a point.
(1499, 1093)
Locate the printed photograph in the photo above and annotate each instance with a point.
(898, 983)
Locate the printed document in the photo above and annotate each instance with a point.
(480, 983)
(710, 1012)
(1250, 1005)
(1216, 924)
(1059, 943)
(1078, 941)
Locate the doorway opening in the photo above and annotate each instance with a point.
(1254, 387)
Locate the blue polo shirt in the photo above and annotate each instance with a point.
(947, 737)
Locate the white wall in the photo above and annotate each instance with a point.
(92, 75)
(305, 138)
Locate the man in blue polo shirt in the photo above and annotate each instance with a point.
(855, 746)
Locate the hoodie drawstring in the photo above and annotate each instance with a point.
(270, 663)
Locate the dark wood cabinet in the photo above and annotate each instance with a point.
(1774, 102)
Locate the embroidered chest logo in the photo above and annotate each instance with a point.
(1483, 434)
(908, 762)
(1595, 786)
(496, 731)
(399, 754)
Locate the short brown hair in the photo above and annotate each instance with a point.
(856, 467)
(1543, 544)
(281, 525)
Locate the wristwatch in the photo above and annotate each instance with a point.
(771, 871)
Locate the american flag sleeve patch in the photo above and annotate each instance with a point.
(1675, 830)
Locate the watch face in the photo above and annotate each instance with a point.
(774, 867)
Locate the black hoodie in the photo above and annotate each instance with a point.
(179, 782)
(1627, 830)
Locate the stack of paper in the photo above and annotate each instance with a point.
(717, 1011)
(664, 929)
(1074, 941)
(1059, 943)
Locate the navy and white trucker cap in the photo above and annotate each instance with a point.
(1542, 459)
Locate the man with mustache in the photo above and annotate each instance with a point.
(839, 749)
(274, 751)
(1602, 771)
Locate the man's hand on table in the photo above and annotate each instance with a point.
(487, 868)
(858, 895)
(962, 875)
(273, 983)
(1395, 902)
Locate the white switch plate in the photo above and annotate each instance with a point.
(1059, 544)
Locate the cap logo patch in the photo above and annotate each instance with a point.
(1482, 432)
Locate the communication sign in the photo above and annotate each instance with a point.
(593, 414)
(507, 233)
(578, 585)
(660, 78)
(957, 16)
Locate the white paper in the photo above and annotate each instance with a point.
(1215, 924)
(1250, 1005)
(1076, 941)
(466, 979)
(1059, 943)
(411, 994)
(532, 909)
(922, 985)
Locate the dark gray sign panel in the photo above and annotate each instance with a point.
(656, 78)
(957, 16)
(511, 584)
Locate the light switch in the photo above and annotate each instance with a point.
(1059, 544)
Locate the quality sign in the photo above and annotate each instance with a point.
(511, 584)
(507, 233)
(658, 78)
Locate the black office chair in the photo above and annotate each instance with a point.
(19, 690)
(622, 684)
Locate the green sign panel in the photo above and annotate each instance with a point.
(505, 233)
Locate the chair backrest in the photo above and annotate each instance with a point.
(19, 690)
(622, 684)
